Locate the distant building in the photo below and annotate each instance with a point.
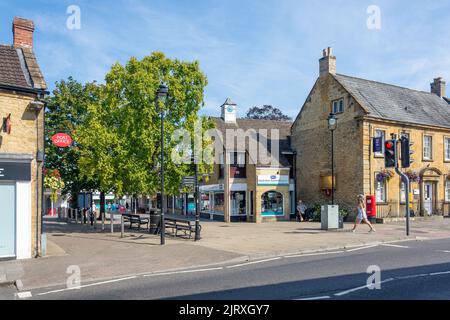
(22, 89)
(367, 109)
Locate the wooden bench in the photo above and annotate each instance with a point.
(136, 219)
(186, 226)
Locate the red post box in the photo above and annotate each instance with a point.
(371, 206)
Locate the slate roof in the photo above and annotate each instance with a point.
(19, 68)
(284, 128)
(391, 102)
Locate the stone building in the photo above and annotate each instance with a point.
(22, 89)
(243, 187)
(367, 109)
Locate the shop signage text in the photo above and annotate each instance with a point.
(62, 140)
(11, 171)
(273, 180)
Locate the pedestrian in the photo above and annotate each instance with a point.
(301, 209)
(362, 216)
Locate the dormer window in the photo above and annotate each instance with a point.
(338, 106)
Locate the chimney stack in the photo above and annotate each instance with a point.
(438, 87)
(23, 32)
(327, 63)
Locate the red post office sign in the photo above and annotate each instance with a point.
(62, 140)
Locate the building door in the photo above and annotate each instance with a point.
(7, 221)
(428, 197)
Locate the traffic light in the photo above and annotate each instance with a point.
(390, 154)
(406, 152)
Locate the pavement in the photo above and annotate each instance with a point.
(102, 256)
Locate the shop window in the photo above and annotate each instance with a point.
(380, 191)
(205, 203)
(219, 203)
(272, 204)
(238, 204)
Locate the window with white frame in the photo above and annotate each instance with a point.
(338, 106)
(380, 191)
(380, 134)
(447, 149)
(447, 189)
(427, 147)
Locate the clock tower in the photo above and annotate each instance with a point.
(229, 111)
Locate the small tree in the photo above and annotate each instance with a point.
(267, 112)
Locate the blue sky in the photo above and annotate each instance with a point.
(253, 51)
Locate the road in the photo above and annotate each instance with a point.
(409, 270)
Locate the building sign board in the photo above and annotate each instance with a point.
(15, 171)
(62, 140)
(378, 145)
(273, 180)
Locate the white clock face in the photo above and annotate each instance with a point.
(230, 109)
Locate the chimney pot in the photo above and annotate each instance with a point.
(23, 30)
(327, 63)
(438, 87)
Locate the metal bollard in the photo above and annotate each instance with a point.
(76, 216)
(122, 226)
(103, 221)
(111, 218)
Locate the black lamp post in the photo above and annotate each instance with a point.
(161, 100)
(332, 125)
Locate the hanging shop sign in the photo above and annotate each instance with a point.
(62, 140)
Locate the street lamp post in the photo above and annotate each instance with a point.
(161, 99)
(332, 125)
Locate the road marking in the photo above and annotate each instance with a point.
(24, 295)
(413, 276)
(313, 254)
(362, 248)
(87, 285)
(439, 273)
(394, 246)
(253, 262)
(445, 251)
(180, 272)
(314, 298)
(343, 293)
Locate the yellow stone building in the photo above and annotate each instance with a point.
(22, 89)
(367, 109)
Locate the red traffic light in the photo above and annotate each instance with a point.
(389, 145)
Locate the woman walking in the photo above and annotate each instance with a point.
(362, 216)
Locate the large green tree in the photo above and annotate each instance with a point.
(120, 141)
(66, 111)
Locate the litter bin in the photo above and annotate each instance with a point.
(154, 222)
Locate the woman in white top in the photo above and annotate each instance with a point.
(362, 216)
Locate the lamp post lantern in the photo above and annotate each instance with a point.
(332, 125)
(161, 100)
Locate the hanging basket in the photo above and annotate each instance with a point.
(384, 176)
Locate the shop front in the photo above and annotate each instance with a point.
(16, 206)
